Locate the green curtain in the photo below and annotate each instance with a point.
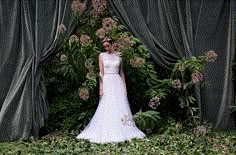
(28, 37)
(172, 29)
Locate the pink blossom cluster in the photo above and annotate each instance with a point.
(117, 47)
(126, 40)
(89, 65)
(108, 23)
(101, 33)
(154, 103)
(196, 76)
(85, 40)
(99, 3)
(176, 84)
(211, 56)
(137, 62)
(78, 7)
(98, 7)
(84, 93)
(61, 28)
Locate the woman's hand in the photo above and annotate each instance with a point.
(100, 92)
(125, 91)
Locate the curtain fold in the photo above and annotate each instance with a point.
(28, 37)
(172, 29)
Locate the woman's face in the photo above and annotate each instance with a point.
(107, 46)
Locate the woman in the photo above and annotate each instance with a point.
(112, 121)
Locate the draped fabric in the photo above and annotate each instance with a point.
(172, 29)
(28, 37)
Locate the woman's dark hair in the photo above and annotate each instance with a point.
(107, 40)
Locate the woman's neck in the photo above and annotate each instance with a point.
(109, 52)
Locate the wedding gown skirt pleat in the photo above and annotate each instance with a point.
(112, 121)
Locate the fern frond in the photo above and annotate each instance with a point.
(147, 120)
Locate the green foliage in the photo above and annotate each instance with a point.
(181, 143)
(67, 110)
(147, 120)
(185, 76)
(170, 127)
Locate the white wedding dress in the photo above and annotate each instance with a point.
(112, 121)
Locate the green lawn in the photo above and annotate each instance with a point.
(182, 143)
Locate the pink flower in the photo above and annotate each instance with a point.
(117, 47)
(73, 38)
(61, 28)
(126, 40)
(101, 33)
(176, 84)
(88, 63)
(181, 68)
(84, 93)
(202, 130)
(181, 105)
(85, 40)
(98, 7)
(97, 3)
(154, 103)
(211, 56)
(108, 23)
(78, 7)
(90, 75)
(196, 76)
(137, 62)
(156, 100)
(94, 13)
(63, 57)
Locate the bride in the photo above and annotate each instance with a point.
(112, 121)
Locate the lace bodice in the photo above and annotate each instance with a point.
(111, 63)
